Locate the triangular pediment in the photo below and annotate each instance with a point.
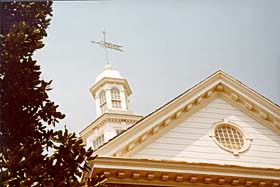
(189, 139)
(232, 100)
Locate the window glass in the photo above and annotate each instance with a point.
(98, 141)
(230, 137)
(119, 131)
(116, 99)
(102, 101)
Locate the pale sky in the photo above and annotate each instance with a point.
(169, 46)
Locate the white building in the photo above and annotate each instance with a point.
(217, 133)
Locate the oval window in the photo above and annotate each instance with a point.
(230, 137)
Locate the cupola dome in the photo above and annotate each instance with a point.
(109, 73)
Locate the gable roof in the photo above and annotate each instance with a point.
(217, 84)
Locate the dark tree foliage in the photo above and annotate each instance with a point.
(31, 152)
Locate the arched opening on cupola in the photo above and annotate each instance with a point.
(102, 101)
(116, 98)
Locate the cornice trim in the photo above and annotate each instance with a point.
(128, 118)
(159, 172)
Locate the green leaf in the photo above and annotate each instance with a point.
(34, 184)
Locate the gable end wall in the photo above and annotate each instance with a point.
(189, 141)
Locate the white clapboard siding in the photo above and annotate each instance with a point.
(189, 141)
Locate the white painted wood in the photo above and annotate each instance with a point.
(189, 141)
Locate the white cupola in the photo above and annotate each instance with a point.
(113, 116)
(111, 92)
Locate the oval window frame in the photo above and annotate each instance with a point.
(246, 138)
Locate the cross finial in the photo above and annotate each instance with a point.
(106, 45)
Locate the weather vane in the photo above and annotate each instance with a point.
(106, 45)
